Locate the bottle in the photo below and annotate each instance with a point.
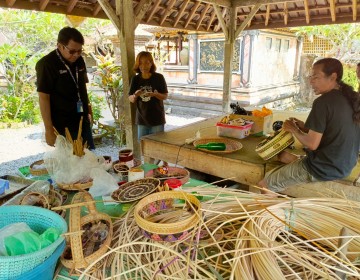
(212, 146)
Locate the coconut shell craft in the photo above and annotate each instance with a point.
(160, 220)
(135, 190)
(38, 168)
(273, 145)
(231, 145)
(89, 236)
(165, 173)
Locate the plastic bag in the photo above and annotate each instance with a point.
(10, 230)
(66, 168)
(104, 184)
(25, 242)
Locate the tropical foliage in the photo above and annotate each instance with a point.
(28, 35)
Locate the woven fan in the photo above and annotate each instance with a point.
(135, 190)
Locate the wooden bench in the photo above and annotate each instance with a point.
(348, 187)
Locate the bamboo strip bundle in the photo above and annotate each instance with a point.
(78, 146)
(241, 235)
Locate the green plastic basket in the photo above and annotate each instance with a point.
(38, 219)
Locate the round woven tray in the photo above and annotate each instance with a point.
(38, 172)
(231, 145)
(172, 173)
(135, 190)
(271, 146)
(75, 186)
(164, 201)
(74, 257)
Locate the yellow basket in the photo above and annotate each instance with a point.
(160, 201)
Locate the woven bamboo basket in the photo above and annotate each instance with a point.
(231, 145)
(161, 201)
(75, 186)
(36, 199)
(74, 257)
(135, 190)
(172, 173)
(38, 172)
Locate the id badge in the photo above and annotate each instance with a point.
(79, 106)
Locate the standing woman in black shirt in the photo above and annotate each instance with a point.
(148, 90)
(61, 84)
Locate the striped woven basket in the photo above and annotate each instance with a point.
(270, 147)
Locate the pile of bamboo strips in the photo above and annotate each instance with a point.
(243, 236)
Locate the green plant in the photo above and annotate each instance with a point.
(97, 105)
(349, 75)
(108, 77)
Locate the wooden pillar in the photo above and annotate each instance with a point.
(228, 55)
(124, 21)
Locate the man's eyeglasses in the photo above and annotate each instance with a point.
(72, 52)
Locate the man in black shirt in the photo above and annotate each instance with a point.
(61, 84)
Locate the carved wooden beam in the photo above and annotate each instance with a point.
(267, 17)
(354, 9)
(307, 12)
(152, 12)
(97, 9)
(203, 13)
(210, 21)
(223, 3)
(109, 11)
(286, 13)
(245, 3)
(43, 4)
(10, 3)
(193, 10)
(181, 12)
(247, 20)
(332, 10)
(167, 11)
(71, 5)
(141, 10)
(220, 17)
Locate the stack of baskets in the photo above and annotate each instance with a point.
(39, 220)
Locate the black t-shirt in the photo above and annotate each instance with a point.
(149, 112)
(53, 78)
(337, 154)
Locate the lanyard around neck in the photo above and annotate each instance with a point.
(76, 81)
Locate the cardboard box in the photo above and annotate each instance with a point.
(261, 126)
(233, 131)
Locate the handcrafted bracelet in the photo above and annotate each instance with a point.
(154, 203)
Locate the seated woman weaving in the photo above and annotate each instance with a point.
(330, 135)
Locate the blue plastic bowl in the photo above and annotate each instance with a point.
(44, 271)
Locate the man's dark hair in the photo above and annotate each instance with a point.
(69, 33)
(358, 64)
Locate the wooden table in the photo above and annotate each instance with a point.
(244, 166)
